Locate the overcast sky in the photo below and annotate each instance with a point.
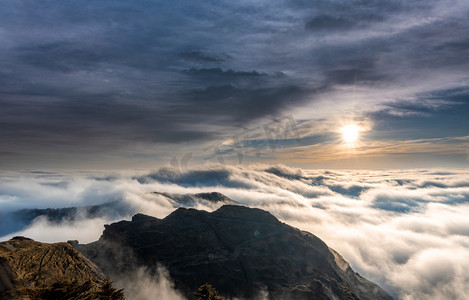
(119, 84)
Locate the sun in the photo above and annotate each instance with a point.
(350, 133)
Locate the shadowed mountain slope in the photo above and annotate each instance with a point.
(241, 251)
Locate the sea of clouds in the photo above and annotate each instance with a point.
(406, 230)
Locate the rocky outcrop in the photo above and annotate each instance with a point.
(241, 251)
(33, 270)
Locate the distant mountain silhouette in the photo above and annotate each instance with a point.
(240, 251)
(17, 220)
(189, 200)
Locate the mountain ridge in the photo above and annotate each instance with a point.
(239, 250)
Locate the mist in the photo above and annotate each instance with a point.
(143, 285)
(406, 230)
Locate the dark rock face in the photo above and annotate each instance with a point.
(30, 269)
(239, 250)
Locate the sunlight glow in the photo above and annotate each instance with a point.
(350, 133)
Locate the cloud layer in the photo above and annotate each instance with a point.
(405, 230)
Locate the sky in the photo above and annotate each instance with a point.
(145, 84)
(111, 101)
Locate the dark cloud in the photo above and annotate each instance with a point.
(193, 178)
(243, 104)
(217, 72)
(461, 45)
(352, 191)
(92, 76)
(350, 15)
(97, 121)
(62, 57)
(397, 205)
(107, 120)
(286, 173)
(59, 184)
(326, 22)
(203, 57)
(447, 110)
(354, 76)
(440, 184)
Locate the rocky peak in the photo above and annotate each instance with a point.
(245, 213)
(239, 250)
